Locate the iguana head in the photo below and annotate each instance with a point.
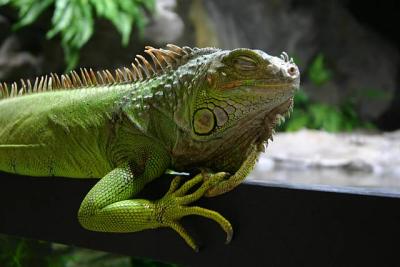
(243, 86)
(236, 97)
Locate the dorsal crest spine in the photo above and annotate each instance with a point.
(141, 69)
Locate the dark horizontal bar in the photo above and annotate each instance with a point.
(274, 225)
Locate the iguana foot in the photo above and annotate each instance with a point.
(173, 206)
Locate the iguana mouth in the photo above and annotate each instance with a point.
(288, 84)
(258, 85)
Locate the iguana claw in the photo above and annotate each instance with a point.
(172, 206)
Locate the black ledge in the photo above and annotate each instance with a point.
(275, 225)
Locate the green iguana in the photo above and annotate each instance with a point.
(207, 109)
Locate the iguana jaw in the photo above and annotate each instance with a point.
(276, 117)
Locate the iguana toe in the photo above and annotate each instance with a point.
(173, 206)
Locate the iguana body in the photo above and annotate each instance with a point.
(192, 109)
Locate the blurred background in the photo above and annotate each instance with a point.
(344, 128)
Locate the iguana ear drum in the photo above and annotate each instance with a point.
(203, 121)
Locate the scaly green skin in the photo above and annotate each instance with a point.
(213, 113)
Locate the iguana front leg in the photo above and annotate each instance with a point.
(237, 178)
(109, 206)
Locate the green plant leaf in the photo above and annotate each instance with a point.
(30, 11)
(4, 2)
(309, 114)
(332, 122)
(301, 97)
(299, 120)
(373, 93)
(317, 72)
(74, 20)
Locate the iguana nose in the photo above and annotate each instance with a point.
(292, 71)
(289, 68)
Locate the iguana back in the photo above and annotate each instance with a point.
(59, 124)
(57, 133)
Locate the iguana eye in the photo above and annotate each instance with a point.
(244, 63)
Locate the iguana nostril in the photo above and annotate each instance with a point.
(292, 71)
